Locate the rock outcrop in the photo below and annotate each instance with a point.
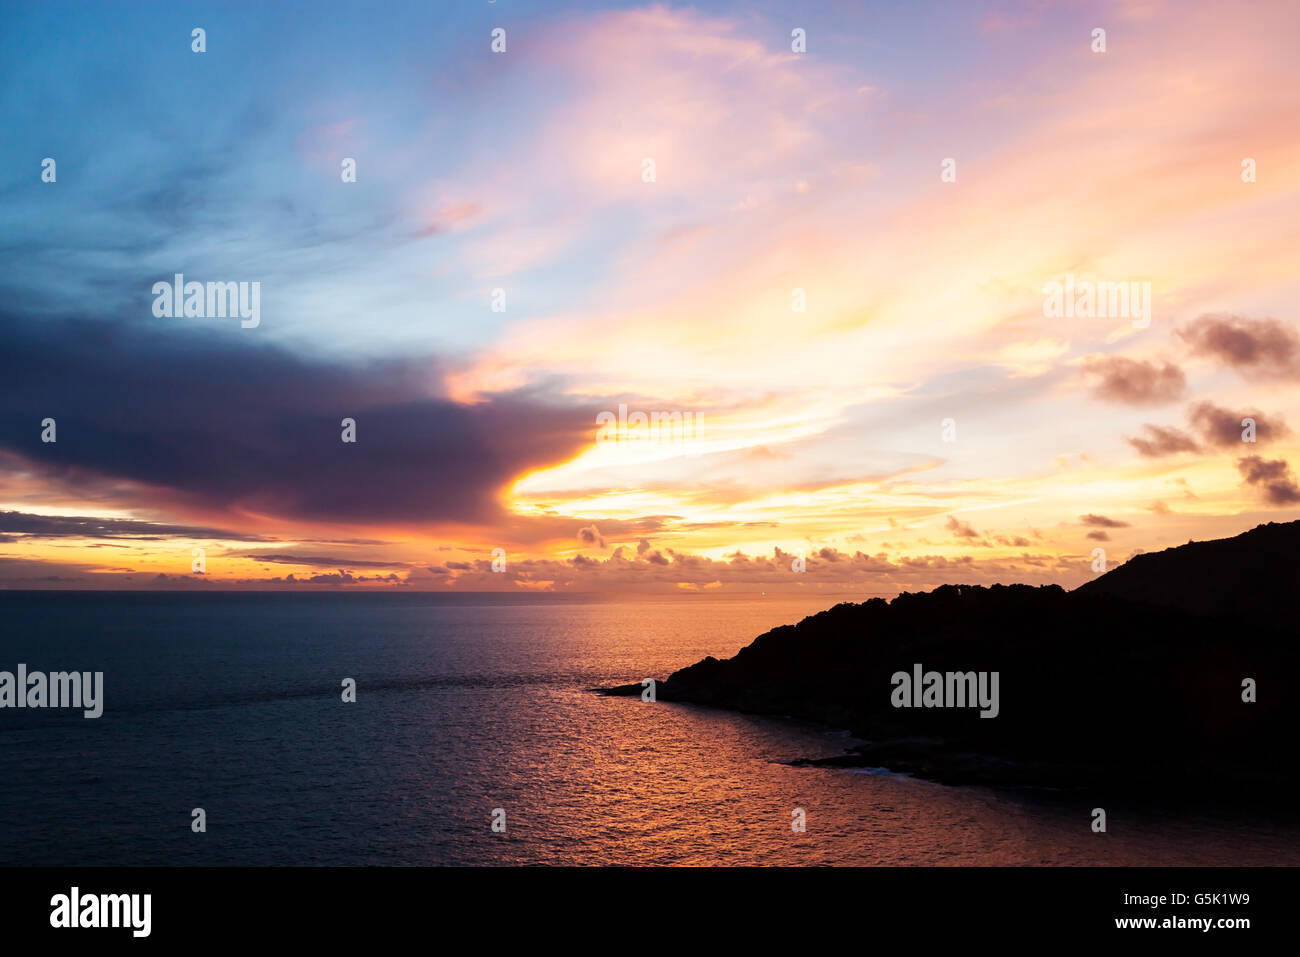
(1140, 676)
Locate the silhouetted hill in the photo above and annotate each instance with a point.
(1136, 677)
(1254, 575)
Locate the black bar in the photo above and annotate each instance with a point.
(649, 907)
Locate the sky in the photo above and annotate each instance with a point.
(801, 256)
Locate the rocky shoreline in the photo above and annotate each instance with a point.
(1191, 688)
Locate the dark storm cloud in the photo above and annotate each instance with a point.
(1133, 381)
(1257, 345)
(213, 418)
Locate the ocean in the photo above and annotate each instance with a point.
(465, 704)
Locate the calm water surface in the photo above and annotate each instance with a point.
(232, 703)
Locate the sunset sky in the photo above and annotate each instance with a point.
(820, 432)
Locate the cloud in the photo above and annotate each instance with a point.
(1218, 428)
(1262, 346)
(1273, 477)
(327, 561)
(341, 577)
(591, 536)
(961, 529)
(1162, 440)
(1135, 382)
(136, 404)
(825, 568)
(29, 525)
(1099, 536)
(1101, 521)
(1222, 428)
(1032, 358)
(724, 107)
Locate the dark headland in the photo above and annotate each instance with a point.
(1136, 678)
